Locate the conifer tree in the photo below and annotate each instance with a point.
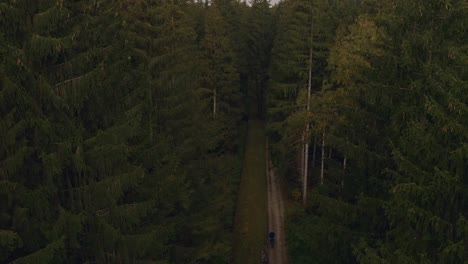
(422, 133)
(258, 43)
(220, 74)
(288, 69)
(30, 216)
(380, 68)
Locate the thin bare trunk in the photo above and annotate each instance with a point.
(344, 172)
(323, 158)
(309, 89)
(150, 121)
(214, 103)
(306, 166)
(330, 153)
(71, 192)
(301, 169)
(314, 154)
(79, 194)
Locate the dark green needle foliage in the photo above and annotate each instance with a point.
(390, 97)
(109, 152)
(122, 126)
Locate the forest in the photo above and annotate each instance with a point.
(123, 127)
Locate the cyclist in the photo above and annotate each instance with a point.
(271, 237)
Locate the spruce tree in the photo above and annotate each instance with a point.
(427, 196)
(220, 75)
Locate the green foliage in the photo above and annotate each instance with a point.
(302, 27)
(220, 76)
(9, 241)
(105, 138)
(111, 151)
(391, 103)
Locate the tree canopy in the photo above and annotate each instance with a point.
(122, 127)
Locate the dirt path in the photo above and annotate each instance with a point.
(259, 190)
(251, 213)
(277, 254)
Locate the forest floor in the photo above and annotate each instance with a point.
(260, 206)
(250, 231)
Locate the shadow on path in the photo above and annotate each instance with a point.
(251, 214)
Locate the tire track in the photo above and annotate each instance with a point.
(277, 254)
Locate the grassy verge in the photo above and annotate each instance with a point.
(252, 215)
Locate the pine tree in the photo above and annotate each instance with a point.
(380, 67)
(220, 75)
(424, 174)
(31, 231)
(290, 56)
(258, 43)
(330, 116)
(297, 20)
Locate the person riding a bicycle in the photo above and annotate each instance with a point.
(271, 238)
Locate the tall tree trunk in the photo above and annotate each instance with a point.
(301, 157)
(314, 154)
(330, 153)
(150, 121)
(306, 154)
(344, 172)
(323, 158)
(306, 166)
(79, 184)
(214, 102)
(71, 196)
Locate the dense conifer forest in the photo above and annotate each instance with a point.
(123, 126)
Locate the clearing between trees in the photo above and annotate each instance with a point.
(251, 215)
(259, 181)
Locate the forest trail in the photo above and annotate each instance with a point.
(260, 205)
(250, 231)
(278, 254)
